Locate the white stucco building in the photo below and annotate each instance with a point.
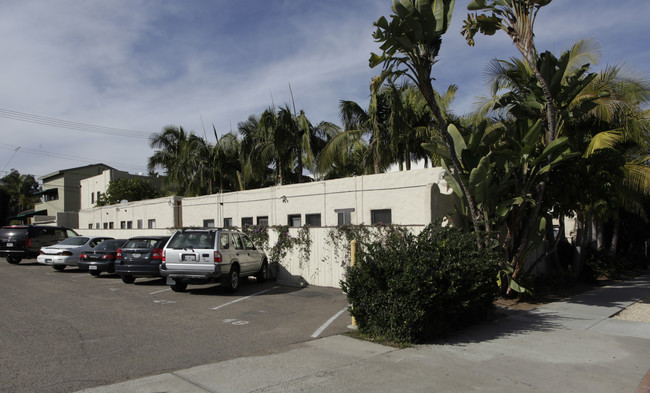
(416, 197)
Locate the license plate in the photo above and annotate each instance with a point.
(48, 261)
(10, 244)
(189, 258)
(136, 255)
(92, 267)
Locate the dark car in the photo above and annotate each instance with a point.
(101, 258)
(140, 257)
(18, 242)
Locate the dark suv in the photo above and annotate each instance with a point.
(25, 241)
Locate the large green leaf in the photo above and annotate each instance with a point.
(459, 142)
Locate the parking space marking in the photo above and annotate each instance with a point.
(243, 298)
(162, 290)
(329, 322)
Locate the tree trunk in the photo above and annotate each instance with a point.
(427, 92)
(614, 245)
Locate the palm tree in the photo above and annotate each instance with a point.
(169, 145)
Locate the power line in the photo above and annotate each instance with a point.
(71, 158)
(48, 121)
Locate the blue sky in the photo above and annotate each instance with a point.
(138, 65)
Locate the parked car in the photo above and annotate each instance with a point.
(66, 252)
(140, 257)
(101, 258)
(201, 256)
(18, 242)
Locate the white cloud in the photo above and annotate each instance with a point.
(141, 65)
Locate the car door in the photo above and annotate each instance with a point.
(252, 254)
(240, 253)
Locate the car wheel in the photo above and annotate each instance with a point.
(263, 273)
(231, 282)
(179, 287)
(95, 273)
(58, 268)
(128, 279)
(13, 260)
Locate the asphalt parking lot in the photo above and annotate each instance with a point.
(66, 331)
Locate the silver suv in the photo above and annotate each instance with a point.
(202, 256)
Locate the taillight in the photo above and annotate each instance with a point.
(83, 255)
(157, 253)
(28, 242)
(108, 256)
(66, 253)
(164, 255)
(118, 254)
(217, 257)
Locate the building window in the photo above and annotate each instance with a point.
(98, 194)
(263, 221)
(105, 225)
(151, 224)
(246, 221)
(382, 216)
(92, 198)
(96, 225)
(208, 223)
(293, 220)
(139, 224)
(312, 220)
(344, 216)
(110, 225)
(129, 225)
(227, 222)
(122, 224)
(90, 226)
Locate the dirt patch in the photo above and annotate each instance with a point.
(639, 311)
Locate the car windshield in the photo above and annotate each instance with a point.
(192, 240)
(109, 245)
(74, 241)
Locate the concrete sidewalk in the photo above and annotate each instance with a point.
(568, 346)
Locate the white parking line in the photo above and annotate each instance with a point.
(326, 324)
(162, 290)
(243, 298)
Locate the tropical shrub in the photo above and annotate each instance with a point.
(409, 288)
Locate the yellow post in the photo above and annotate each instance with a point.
(353, 258)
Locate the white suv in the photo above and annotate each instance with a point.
(201, 256)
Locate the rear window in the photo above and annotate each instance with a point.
(6, 233)
(192, 240)
(109, 245)
(142, 243)
(74, 241)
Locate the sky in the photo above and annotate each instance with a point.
(85, 82)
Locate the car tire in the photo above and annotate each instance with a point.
(58, 268)
(128, 279)
(263, 273)
(14, 260)
(179, 287)
(231, 281)
(95, 273)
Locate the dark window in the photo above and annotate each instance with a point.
(246, 221)
(110, 225)
(90, 226)
(129, 225)
(139, 224)
(227, 222)
(247, 242)
(105, 225)
(208, 223)
(151, 224)
(293, 220)
(263, 221)
(344, 218)
(380, 216)
(312, 220)
(92, 197)
(122, 224)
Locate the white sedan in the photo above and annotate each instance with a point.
(66, 252)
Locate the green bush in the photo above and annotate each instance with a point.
(409, 288)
